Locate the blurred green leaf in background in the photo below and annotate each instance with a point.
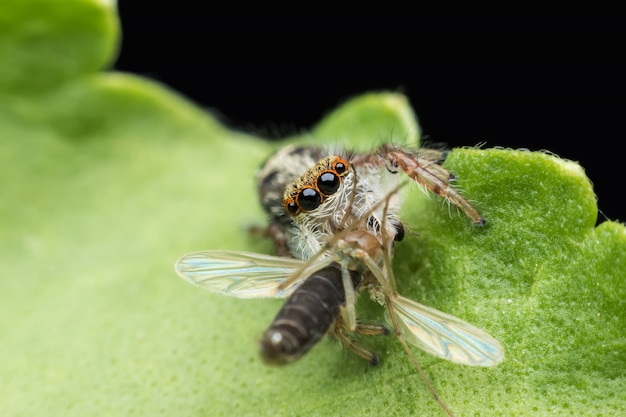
(107, 178)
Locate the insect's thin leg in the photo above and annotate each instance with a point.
(387, 251)
(388, 272)
(352, 197)
(378, 273)
(436, 180)
(408, 351)
(343, 336)
(369, 329)
(375, 269)
(349, 312)
(307, 269)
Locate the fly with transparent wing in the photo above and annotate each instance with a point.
(334, 221)
(253, 275)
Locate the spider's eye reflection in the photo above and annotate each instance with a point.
(328, 183)
(309, 199)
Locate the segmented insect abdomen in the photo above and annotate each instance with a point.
(305, 317)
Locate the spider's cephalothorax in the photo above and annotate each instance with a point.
(334, 195)
(311, 193)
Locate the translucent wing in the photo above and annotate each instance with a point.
(445, 336)
(239, 274)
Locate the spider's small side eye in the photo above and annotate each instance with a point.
(292, 207)
(309, 199)
(328, 183)
(340, 167)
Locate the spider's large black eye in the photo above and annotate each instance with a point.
(328, 183)
(309, 199)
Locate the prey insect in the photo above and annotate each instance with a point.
(334, 219)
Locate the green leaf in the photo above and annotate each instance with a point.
(44, 43)
(108, 178)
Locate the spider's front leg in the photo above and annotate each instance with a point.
(428, 173)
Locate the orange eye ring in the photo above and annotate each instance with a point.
(340, 166)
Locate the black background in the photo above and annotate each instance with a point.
(513, 76)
